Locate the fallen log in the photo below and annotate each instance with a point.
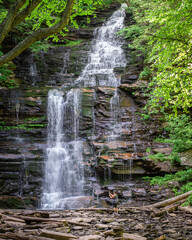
(170, 201)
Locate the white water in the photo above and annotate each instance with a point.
(64, 173)
(106, 54)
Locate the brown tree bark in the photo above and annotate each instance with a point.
(37, 35)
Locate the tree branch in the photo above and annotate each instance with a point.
(25, 12)
(39, 34)
(8, 22)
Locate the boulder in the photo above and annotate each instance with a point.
(186, 158)
(165, 151)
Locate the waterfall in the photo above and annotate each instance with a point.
(64, 172)
(106, 54)
(64, 175)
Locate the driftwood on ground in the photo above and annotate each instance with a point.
(170, 201)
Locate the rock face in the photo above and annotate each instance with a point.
(113, 149)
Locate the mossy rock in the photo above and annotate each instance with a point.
(87, 112)
(11, 202)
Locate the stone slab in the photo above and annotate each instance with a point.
(57, 235)
(90, 237)
(127, 236)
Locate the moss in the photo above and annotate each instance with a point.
(87, 112)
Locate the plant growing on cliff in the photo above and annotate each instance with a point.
(162, 33)
(7, 76)
(180, 132)
(180, 138)
(180, 182)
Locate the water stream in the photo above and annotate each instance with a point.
(106, 54)
(64, 175)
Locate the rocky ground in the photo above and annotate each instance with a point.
(132, 223)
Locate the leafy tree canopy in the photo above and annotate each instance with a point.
(163, 32)
(47, 18)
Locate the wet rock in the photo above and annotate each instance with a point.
(127, 236)
(99, 192)
(102, 226)
(127, 194)
(162, 237)
(134, 86)
(90, 237)
(56, 235)
(127, 170)
(141, 192)
(166, 151)
(11, 202)
(186, 158)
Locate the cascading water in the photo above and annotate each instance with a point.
(64, 173)
(106, 54)
(63, 167)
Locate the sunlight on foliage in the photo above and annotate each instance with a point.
(164, 35)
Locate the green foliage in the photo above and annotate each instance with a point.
(40, 46)
(24, 126)
(73, 43)
(48, 13)
(180, 132)
(145, 116)
(30, 126)
(145, 73)
(45, 18)
(183, 178)
(33, 119)
(3, 13)
(180, 138)
(158, 157)
(148, 150)
(6, 76)
(189, 201)
(162, 33)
